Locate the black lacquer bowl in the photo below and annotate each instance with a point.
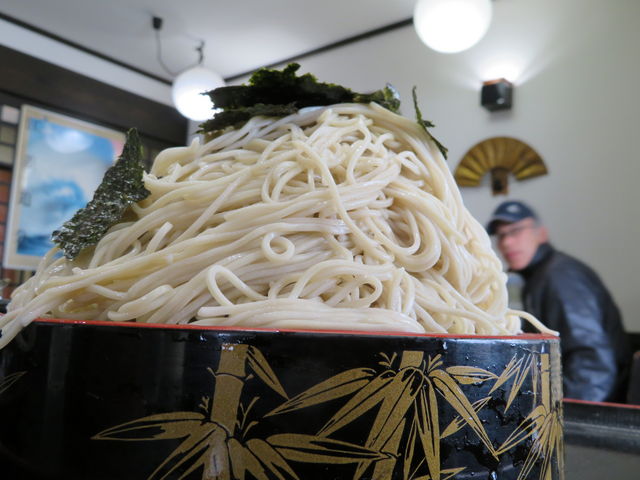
(129, 401)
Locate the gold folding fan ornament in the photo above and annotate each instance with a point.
(499, 156)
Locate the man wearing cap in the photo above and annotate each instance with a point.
(569, 297)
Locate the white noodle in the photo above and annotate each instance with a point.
(345, 217)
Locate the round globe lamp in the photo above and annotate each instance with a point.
(188, 92)
(451, 26)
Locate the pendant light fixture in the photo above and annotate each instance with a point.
(451, 26)
(189, 86)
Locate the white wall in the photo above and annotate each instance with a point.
(576, 103)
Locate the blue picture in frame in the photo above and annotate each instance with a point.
(60, 161)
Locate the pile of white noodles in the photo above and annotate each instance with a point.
(344, 217)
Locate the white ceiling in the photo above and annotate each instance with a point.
(240, 35)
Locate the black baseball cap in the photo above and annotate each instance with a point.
(509, 212)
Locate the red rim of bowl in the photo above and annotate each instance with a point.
(60, 321)
(601, 404)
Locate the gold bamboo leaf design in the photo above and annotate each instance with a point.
(511, 368)
(338, 386)
(387, 360)
(263, 370)
(207, 439)
(429, 429)
(550, 439)
(398, 399)
(452, 393)
(434, 362)
(558, 445)
(204, 447)
(446, 474)
(271, 459)
(545, 468)
(405, 398)
(259, 459)
(316, 449)
(409, 449)
(244, 415)
(543, 424)
(535, 378)
(242, 461)
(530, 425)
(470, 375)
(367, 398)
(541, 447)
(205, 444)
(9, 380)
(154, 427)
(521, 374)
(458, 422)
(383, 469)
(399, 396)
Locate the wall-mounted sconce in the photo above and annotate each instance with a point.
(497, 94)
(189, 86)
(499, 156)
(451, 26)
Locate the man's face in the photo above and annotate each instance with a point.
(519, 241)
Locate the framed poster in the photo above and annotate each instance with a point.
(59, 163)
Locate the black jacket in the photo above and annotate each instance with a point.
(568, 296)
